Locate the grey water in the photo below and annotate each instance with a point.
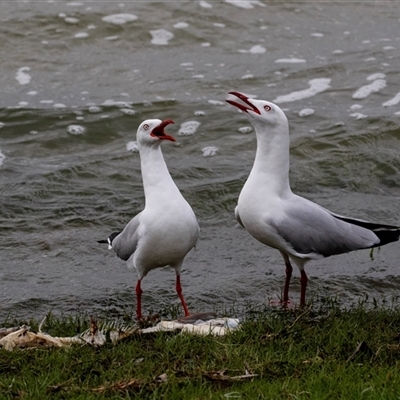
(77, 78)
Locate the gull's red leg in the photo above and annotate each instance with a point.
(180, 294)
(289, 270)
(303, 287)
(139, 292)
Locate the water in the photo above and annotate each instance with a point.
(78, 78)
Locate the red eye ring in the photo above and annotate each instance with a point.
(267, 108)
(145, 127)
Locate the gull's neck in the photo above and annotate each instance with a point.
(271, 165)
(157, 182)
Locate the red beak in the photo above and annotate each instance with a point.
(159, 132)
(247, 106)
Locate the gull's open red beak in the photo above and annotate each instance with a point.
(159, 132)
(247, 106)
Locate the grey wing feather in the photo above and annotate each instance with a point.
(309, 228)
(126, 242)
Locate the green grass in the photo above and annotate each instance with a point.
(301, 354)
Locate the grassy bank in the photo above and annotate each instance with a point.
(317, 353)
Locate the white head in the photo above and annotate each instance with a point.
(151, 132)
(261, 113)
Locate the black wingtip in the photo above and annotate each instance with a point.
(387, 236)
(110, 238)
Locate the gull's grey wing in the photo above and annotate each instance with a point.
(309, 228)
(126, 242)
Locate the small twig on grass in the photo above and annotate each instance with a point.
(220, 376)
(121, 385)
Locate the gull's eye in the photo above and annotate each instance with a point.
(145, 127)
(267, 108)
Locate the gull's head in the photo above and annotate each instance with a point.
(152, 131)
(260, 112)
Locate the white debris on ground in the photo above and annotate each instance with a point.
(216, 326)
(99, 333)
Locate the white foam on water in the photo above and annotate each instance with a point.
(111, 38)
(22, 77)
(119, 19)
(393, 101)
(199, 113)
(133, 147)
(305, 112)
(94, 109)
(188, 128)
(210, 151)
(377, 75)
(47, 101)
(198, 76)
(337, 51)
(59, 105)
(186, 64)
(317, 34)
(204, 4)
(181, 25)
(128, 111)
(117, 103)
(2, 158)
(317, 85)
(247, 4)
(74, 4)
(245, 129)
(2, 124)
(206, 44)
(291, 60)
(33, 132)
(365, 91)
(219, 25)
(91, 26)
(247, 76)
(71, 20)
(216, 102)
(358, 116)
(356, 107)
(32, 93)
(23, 103)
(161, 37)
(76, 129)
(81, 35)
(397, 113)
(257, 49)
(369, 59)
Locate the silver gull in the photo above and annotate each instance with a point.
(167, 229)
(268, 209)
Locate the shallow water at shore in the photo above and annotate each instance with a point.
(79, 77)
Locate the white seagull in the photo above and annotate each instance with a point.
(167, 229)
(268, 209)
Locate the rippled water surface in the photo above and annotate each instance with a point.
(77, 78)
